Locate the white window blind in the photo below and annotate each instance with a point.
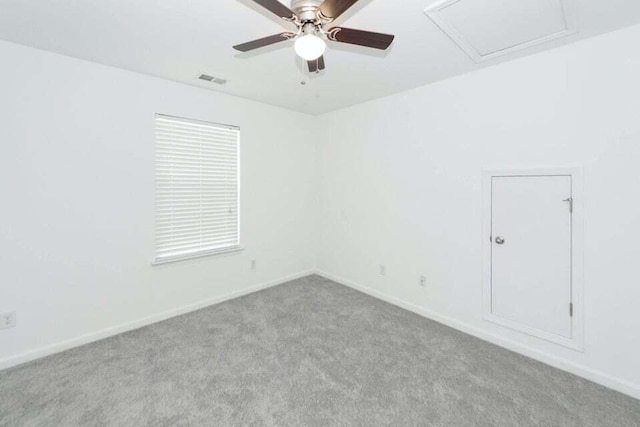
(197, 186)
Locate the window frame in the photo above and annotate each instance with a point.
(237, 247)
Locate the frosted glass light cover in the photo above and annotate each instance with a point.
(310, 47)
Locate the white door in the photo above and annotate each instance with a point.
(531, 252)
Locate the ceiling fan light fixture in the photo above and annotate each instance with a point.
(310, 47)
(310, 18)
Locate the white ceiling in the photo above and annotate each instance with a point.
(178, 40)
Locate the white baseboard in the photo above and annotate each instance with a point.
(38, 353)
(601, 378)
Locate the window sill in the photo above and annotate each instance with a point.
(170, 260)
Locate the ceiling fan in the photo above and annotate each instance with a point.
(311, 17)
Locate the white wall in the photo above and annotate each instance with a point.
(77, 208)
(401, 186)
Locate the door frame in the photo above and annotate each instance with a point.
(576, 342)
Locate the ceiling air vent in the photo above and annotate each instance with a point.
(211, 79)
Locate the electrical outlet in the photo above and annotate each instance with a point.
(423, 281)
(254, 264)
(383, 270)
(7, 320)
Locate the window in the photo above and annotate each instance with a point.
(197, 187)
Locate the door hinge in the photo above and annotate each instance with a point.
(570, 309)
(570, 201)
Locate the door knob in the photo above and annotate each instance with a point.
(499, 240)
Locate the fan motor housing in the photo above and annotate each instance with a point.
(306, 9)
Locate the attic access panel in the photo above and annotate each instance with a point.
(491, 28)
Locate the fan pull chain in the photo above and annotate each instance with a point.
(305, 77)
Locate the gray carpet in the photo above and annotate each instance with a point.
(310, 352)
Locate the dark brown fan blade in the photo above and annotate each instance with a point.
(256, 44)
(316, 65)
(361, 38)
(334, 8)
(274, 6)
